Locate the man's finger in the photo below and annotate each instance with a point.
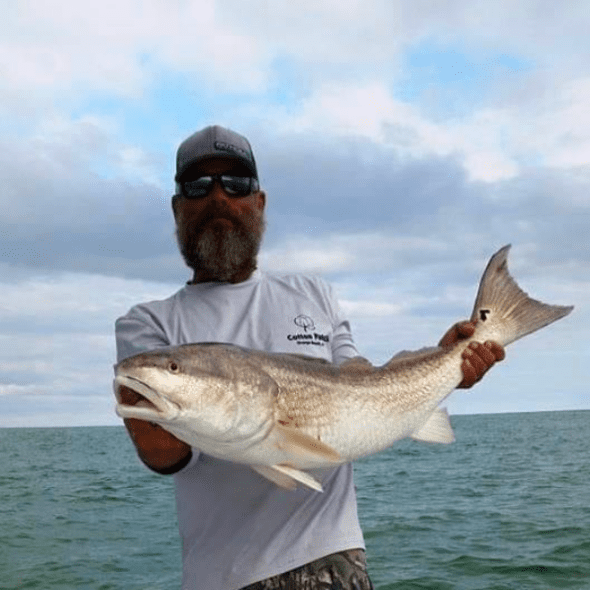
(469, 375)
(456, 333)
(496, 349)
(482, 352)
(477, 360)
(478, 364)
(465, 329)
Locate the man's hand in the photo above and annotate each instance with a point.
(477, 358)
(156, 447)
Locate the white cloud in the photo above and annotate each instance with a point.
(559, 127)
(77, 295)
(491, 143)
(28, 389)
(57, 342)
(65, 156)
(63, 47)
(347, 252)
(304, 256)
(58, 46)
(374, 32)
(136, 163)
(361, 309)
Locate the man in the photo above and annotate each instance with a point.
(238, 529)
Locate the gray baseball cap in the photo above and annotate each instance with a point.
(214, 141)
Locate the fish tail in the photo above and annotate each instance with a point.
(503, 310)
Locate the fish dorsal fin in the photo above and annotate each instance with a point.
(303, 358)
(285, 355)
(437, 429)
(357, 365)
(412, 357)
(287, 477)
(294, 442)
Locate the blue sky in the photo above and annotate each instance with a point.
(400, 145)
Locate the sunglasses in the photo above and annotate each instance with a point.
(234, 186)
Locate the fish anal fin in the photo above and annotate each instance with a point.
(295, 442)
(437, 429)
(287, 477)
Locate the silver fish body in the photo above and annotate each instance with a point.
(285, 414)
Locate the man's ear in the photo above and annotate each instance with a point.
(175, 204)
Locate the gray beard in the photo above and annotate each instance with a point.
(221, 253)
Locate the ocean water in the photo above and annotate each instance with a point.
(507, 507)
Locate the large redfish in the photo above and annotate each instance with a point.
(284, 414)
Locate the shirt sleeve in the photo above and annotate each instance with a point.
(343, 346)
(137, 332)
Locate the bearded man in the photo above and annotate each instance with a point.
(239, 530)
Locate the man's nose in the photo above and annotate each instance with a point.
(217, 192)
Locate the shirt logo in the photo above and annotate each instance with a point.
(309, 336)
(305, 322)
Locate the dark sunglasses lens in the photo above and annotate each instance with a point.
(194, 189)
(237, 185)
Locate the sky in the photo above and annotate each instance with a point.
(400, 145)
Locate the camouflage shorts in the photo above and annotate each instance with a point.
(346, 570)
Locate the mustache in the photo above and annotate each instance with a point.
(217, 211)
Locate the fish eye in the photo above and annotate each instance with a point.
(173, 367)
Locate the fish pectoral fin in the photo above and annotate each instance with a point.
(436, 429)
(287, 477)
(295, 442)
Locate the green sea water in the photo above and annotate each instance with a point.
(507, 507)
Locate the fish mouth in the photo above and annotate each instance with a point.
(136, 399)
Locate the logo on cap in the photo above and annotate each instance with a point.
(228, 147)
